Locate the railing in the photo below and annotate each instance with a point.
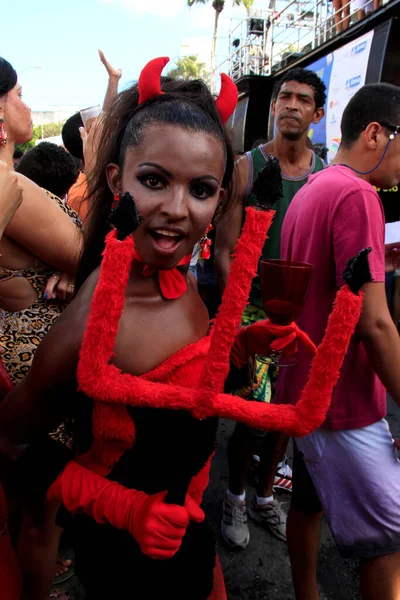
(309, 28)
(270, 39)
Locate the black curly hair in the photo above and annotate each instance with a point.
(304, 76)
(49, 166)
(18, 152)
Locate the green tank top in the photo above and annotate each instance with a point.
(257, 159)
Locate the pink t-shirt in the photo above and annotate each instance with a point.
(334, 216)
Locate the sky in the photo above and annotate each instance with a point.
(62, 37)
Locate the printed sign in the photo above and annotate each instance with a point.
(343, 72)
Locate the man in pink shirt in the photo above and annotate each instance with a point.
(349, 468)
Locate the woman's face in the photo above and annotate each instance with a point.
(17, 116)
(175, 177)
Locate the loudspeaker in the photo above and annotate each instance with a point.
(256, 26)
(288, 58)
(249, 122)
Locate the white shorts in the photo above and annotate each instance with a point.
(356, 475)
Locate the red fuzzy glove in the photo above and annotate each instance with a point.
(265, 337)
(157, 527)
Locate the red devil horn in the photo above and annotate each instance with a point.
(227, 99)
(149, 84)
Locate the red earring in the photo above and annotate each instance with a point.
(3, 133)
(116, 200)
(205, 244)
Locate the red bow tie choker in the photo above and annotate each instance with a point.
(172, 281)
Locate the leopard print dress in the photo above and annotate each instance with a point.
(22, 331)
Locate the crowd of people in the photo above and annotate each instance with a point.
(112, 378)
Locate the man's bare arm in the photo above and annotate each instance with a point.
(380, 338)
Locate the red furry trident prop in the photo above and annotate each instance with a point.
(149, 86)
(108, 386)
(112, 390)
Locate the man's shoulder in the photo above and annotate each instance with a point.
(337, 178)
(351, 188)
(247, 167)
(243, 158)
(335, 195)
(327, 189)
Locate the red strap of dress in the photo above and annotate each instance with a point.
(172, 282)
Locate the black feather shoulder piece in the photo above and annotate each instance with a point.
(357, 272)
(124, 217)
(267, 187)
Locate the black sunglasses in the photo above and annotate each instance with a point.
(394, 128)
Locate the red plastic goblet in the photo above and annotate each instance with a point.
(284, 286)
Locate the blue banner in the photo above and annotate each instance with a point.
(323, 68)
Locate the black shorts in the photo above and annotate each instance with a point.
(304, 496)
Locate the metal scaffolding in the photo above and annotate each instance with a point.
(268, 40)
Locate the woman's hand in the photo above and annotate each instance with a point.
(10, 195)
(114, 75)
(112, 71)
(158, 527)
(60, 286)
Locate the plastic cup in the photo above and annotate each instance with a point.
(88, 116)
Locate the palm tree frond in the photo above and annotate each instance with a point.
(188, 67)
(246, 3)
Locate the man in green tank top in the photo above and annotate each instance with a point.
(297, 102)
(291, 184)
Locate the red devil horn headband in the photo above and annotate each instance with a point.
(149, 86)
(227, 99)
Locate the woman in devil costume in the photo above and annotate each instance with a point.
(136, 343)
